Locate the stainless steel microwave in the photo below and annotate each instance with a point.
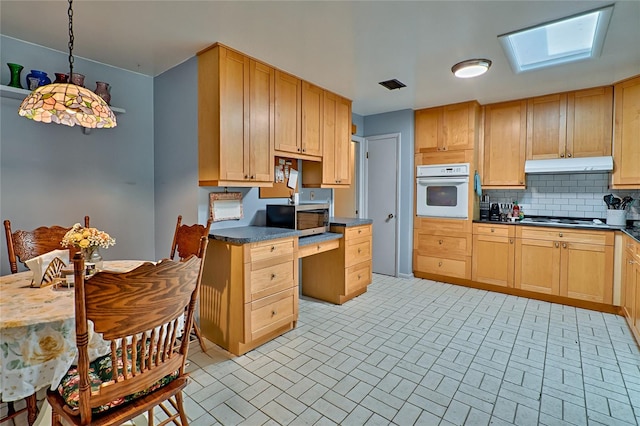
(309, 219)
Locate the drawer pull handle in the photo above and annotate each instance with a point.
(556, 244)
(273, 276)
(440, 241)
(439, 263)
(564, 245)
(493, 230)
(560, 234)
(273, 248)
(274, 313)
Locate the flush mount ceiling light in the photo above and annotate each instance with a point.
(66, 103)
(471, 68)
(569, 39)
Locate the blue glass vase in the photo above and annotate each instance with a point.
(40, 75)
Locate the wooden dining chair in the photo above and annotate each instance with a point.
(149, 366)
(22, 246)
(186, 242)
(25, 245)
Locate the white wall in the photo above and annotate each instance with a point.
(55, 175)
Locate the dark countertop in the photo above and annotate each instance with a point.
(633, 233)
(349, 221)
(314, 239)
(601, 227)
(251, 234)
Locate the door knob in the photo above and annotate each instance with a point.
(390, 216)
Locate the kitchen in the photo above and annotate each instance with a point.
(164, 187)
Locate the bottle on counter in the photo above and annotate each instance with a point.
(516, 210)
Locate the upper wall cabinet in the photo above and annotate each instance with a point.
(626, 143)
(235, 119)
(504, 144)
(446, 128)
(298, 118)
(333, 172)
(574, 124)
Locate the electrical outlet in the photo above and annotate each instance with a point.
(312, 195)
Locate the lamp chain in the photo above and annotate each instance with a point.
(70, 12)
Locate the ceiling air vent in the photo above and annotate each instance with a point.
(393, 84)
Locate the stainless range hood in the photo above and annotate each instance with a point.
(569, 165)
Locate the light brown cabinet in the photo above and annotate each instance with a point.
(446, 128)
(235, 119)
(573, 124)
(626, 146)
(630, 288)
(249, 292)
(298, 117)
(493, 254)
(442, 247)
(339, 275)
(334, 171)
(572, 263)
(505, 144)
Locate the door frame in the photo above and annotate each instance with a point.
(360, 174)
(365, 191)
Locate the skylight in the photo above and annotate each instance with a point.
(568, 39)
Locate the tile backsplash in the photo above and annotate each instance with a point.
(566, 195)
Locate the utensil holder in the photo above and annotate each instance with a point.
(617, 217)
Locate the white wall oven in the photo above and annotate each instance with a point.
(443, 191)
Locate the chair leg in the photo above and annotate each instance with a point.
(56, 420)
(150, 417)
(32, 409)
(199, 336)
(183, 415)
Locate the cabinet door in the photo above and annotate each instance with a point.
(329, 139)
(259, 153)
(234, 110)
(287, 112)
(546, 127)
(589, 122)
(458, 127)
(493, 260)
(505, 131)
(428, 129)
(636, 305)
(343, 141)
(626, 149)
(312, 115)
(587, 272)
(628, 285)
(537, 265)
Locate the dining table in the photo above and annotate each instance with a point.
(37, 333)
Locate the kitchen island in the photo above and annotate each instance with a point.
(249, 292)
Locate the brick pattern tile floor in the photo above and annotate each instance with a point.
(413, 351)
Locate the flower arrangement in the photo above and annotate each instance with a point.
(86, 238)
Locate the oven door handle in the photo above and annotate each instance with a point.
(450, 181)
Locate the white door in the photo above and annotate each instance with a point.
(382, 200)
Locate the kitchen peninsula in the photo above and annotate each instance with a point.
(250, 286)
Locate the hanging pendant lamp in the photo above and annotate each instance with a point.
(67, 103)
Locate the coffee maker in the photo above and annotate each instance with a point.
(494, 212)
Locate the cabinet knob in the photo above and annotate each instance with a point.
(521, 182)
(304, 150)
(493, 230)
(564, 245)
(359, 231)
(439, 263)
(560, 234)
(440, 241)
(273, 276)
(562, 155)
(510, 240)
(298, 149)
(246, 176)
(444, 148)
(631, 262)
(273, 248)
(556, 244)
(358, 276)
(318, 248)
(569, 155)
(253, 177)
(274, 313)
(359, 251)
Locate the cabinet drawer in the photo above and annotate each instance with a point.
(356, 232)
(444, 246)
(494, 230)
(358, 276)
(311, 249)
(270, 313)
(442, 226)
(270, 280)
(357, 251)
(446, 267)
(270, 249)
(565, 235)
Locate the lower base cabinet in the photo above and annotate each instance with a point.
(249, 292)
(571, 263)
(442, 247)
(631, 284)
(493, 254)
(339, 275)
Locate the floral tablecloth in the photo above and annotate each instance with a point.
(37, 333)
